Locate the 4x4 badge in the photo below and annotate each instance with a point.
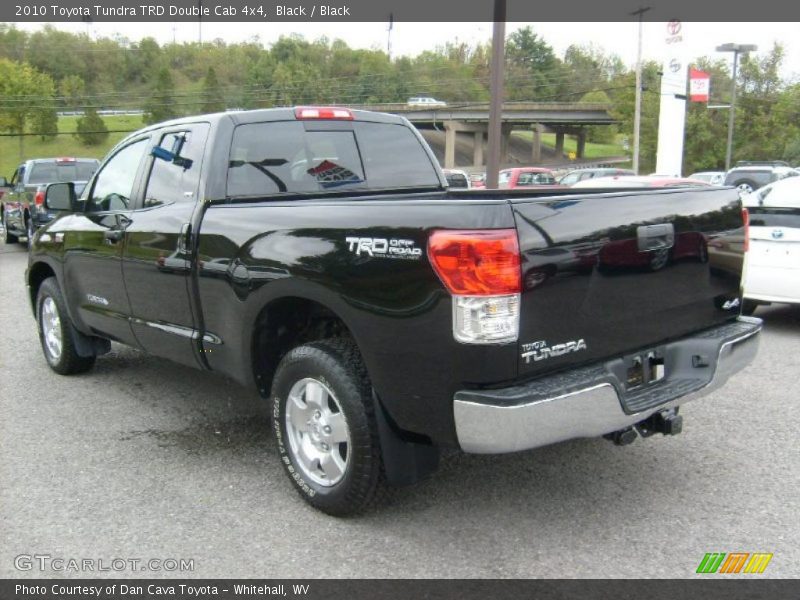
(777, 233)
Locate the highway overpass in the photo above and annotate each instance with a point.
(561, 118)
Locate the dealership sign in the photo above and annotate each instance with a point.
(699, 85)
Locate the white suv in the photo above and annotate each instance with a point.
(748, 176)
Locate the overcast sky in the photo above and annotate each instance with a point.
(700, 39)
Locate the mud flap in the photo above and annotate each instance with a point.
(405, 462)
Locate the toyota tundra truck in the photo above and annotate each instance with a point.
(316, 255)
(22, 209)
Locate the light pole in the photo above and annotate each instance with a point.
(736, 49)
(494, 142)
(637, 111)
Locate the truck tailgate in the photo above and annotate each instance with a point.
(606, 274)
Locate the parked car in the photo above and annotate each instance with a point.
(748, 176)
(316, 255)
(710, 177)
(456, 179)
(523, 177)
(637, 181)
(577, 175)
(425, 102)
(22, 210)
(773, 260)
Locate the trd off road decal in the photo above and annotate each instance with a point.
(536, 351)
(383, 247)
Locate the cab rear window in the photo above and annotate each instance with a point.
(299, 158)
(61, 172)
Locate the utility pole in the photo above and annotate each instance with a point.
(736, 49)
(495, 141)
(637, 111)
(389, 36)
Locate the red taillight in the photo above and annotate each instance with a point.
(746, 218)
(322, 112)
(38, 199)
(65, 160)
(476, 262)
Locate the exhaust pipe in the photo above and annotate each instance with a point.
(623, 437)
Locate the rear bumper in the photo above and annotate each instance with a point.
(593, 401)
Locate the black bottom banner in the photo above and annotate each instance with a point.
(401, 589)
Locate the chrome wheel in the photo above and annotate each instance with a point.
(744, 188)
(51, 328)
(317, 432)
(659, 259)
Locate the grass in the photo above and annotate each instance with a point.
(592, 150)
(63, 144)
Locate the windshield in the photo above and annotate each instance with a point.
(300, 157)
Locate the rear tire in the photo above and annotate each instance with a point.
(324, 423)
(56, 331)
(745, 186)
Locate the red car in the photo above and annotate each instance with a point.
(524, 177)
(627, 253)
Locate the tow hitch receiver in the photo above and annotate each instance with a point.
(668, 422)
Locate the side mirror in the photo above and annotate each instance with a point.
(60, 196)
(3, 182)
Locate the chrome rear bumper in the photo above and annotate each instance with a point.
(592, 401)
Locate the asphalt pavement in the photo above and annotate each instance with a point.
(144, 459)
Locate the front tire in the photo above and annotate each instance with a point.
(324, 422)
(30, 231)
(56, 331)
(8, 237)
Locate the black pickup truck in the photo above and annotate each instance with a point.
(316, 255)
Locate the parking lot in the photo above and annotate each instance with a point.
(142, 458)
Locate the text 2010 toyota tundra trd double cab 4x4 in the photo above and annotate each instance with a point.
(316, 254)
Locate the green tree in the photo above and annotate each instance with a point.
(622, 93)
(26, 100)
(161, 104)
(600, 134)
(213, 98)
(758, 118)
(45, 123)
(91, 129)
(72, 89)
(706, 129)
(532, 69)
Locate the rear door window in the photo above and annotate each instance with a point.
(302, 157)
